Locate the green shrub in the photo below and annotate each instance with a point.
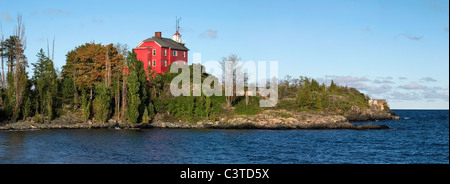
(102, 103)
(251, 109)
(285, 115)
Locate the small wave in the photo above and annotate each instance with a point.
(406, 118)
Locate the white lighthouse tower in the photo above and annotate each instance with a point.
(177, 35)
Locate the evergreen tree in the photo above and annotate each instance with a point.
(68, 91)
(102, 102)
(314, 86)
(134, 89)
(333, 87)
(27, 108)
(49, 104)
(208, 106)
(325, 100)
(10, 98)
(304, 98)
(8, 48)
(145, 116)
(46, 84)
(151, 110)
(85, 105)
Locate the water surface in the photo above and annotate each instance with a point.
(418, 137)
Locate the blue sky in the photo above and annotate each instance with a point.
(396, 50)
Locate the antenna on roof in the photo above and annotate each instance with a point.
(178, 24)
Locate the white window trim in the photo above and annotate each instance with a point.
(184, 54)
(154, 62)
(165, 63)
(165, 52)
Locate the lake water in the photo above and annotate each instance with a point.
(418, 137)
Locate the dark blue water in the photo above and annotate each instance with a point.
(419, 137)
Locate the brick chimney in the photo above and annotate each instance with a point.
(158, 34)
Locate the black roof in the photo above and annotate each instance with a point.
(166, 42)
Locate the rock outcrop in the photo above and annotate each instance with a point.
(269, 119)
(371, 114)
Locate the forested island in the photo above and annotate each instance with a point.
(106, 86)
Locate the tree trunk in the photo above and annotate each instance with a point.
(18, 86)
(124, 95)
(246, 98)
(3, 70)
(91, 96)
(75, 96)
(108, 71)
(117, 100)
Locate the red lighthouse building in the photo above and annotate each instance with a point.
(159, 52)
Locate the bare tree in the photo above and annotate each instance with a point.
(19, 73)
(123, 50)
(1, 56)
(75, 95)
(233, 77)
(108, 69)
(53, 50)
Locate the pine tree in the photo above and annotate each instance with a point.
(46, 84)
(333, 86)
(145, 116)
(85, 105)
(102, 102)
(49, 104)
(134, 89)
(304, 97)
(133, 97)
(27, 108)
(68, 92)
(208, 106)
(151, 110)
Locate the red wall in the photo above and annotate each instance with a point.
(146, 56)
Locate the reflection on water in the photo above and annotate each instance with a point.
(421, 139)
(11, 145)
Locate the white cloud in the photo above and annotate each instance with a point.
(376, 81)
(428, 79)
(412, 86)
(367, 29)
(343, 80)
(97, 21)
(404, 96)
(411, 37)
(209, 34)
(433, 94)
(6, 17)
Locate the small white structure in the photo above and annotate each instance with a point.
(378, 103)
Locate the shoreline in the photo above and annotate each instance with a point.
(269, 120)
